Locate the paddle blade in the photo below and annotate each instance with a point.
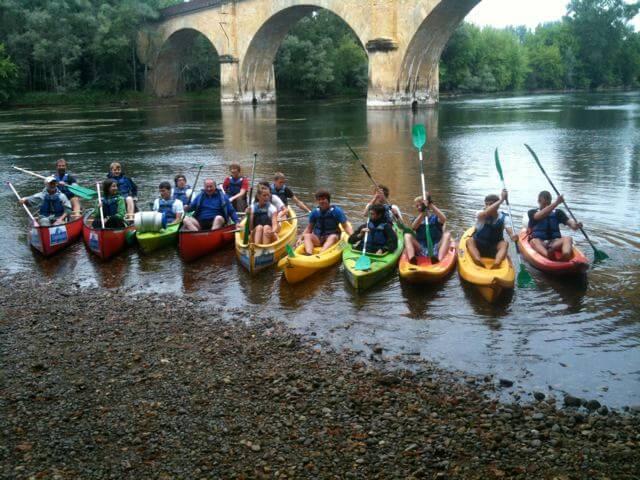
(524, 278)
(363, 263)
(419, 136)
(82, 192)
(599, 256)
(498, 166)
(290, 252)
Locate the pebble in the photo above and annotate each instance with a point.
(539, 396)
(571, 401)
(506, 383)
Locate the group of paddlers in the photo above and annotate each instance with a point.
(218, 205)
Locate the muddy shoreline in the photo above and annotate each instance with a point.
(102, 384)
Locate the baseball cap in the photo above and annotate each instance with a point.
(50, 179)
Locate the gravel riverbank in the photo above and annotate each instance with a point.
(100, 384)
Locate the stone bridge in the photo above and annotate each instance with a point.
(403, 40)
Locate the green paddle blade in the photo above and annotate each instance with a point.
(498, 166)
(82, 192)
(524, 278)
(599, 256)
(290, 252)
(363, 263)
(419, 136)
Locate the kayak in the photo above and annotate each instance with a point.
(152, 241)
(255, 257)
(107, 242)
(578, 263)
(52, 239)
(381, 265)
(490, 282)
(193, 245)
(425, 271)
(302, 266)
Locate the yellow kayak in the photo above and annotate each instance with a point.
(302, 266)
(490, 282)
(256, 257)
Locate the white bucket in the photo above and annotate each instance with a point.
(149, 221)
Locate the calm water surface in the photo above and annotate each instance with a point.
(577, 336)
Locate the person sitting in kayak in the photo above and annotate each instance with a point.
(280, 188)
(381, 239)
(263, 216)
(181, 190)
(488, 239)
(283, 211)
(544, 224)
(54, 205)
(211, 209)
(126, 186)
(417, 244)
(236, 187)
(113, 207)
(64, 181)
(381, 197)
(323, 229)
(171, 208)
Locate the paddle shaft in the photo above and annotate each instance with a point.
(364, 167)
(366, 236)
(535, 157)
(100, 204)
(190, 196)
(29, 172)
(424, 199)
(23, 205)
(249, 218)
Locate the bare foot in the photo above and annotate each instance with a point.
(495, 266)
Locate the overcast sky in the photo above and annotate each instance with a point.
(501, 13)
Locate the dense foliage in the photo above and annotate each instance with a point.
(8, 75)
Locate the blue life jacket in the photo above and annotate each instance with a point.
(261, 215)
(52, 205)
(435, 228)
(126, 187)
(209, 207)
(110, 206)
(280, 193)
(388, 213)
(181, 194)
(548, 228)
(491, 234)
(377, 239)
(65, 179)
(166, 207)
(326, 224)
(235, 186)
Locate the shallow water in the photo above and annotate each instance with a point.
(569, 335)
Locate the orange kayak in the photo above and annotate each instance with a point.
(425, 271)
(577, 264)
(50, 240)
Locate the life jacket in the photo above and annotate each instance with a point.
(235, 186)
(64, 178)
(435, 229)
(220, 209)
(261, 215)
(166, 207)
(548, 228)
(377, 239)
(110, 206)
(280, 193)
(125, 185)
(491, 233)
(181, 194)
(326, 223)
(388, 213)
(51, 205)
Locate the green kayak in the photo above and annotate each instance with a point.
(381, 265)
(150, 242)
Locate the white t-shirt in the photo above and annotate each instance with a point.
(277, 202)
(177, 208)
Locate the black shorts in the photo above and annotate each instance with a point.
(206, 224)
(487, 250)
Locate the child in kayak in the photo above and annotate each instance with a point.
(112, 205)
(211, 209)
(54, 205)
(181, 190)
(280, 188)
(126, 187)
(236, 187)
(381, 239)
(416, 244)
(64, 181)
(381, 197)
(544, 224)
(488, 239)
(263, 218)
(172, 208)
(323, 229)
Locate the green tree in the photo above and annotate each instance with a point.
(8, 76)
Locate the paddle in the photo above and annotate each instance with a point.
(419, 135)
(524, 278)
(598, 255)
(100, 204)
(81, 192)
(364, 262)
(364, 167)
(249, 218)
(193, 189)
(35, 223)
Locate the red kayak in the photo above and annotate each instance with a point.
(576, 265)
(105, 243)
(193, 245)
(52, 239)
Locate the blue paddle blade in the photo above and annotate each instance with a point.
(363, 263)
(419, 135)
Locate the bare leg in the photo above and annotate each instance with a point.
(330, 242)
(310, 242)
(409, 246)
(539, 246)
(75, 207)
(472, 248)
(267, 235)
(567, 248)
(190, 224)
(218, 223)
(444, 245)
(503, 248)
(131, 207)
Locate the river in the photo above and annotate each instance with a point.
(581, 337)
